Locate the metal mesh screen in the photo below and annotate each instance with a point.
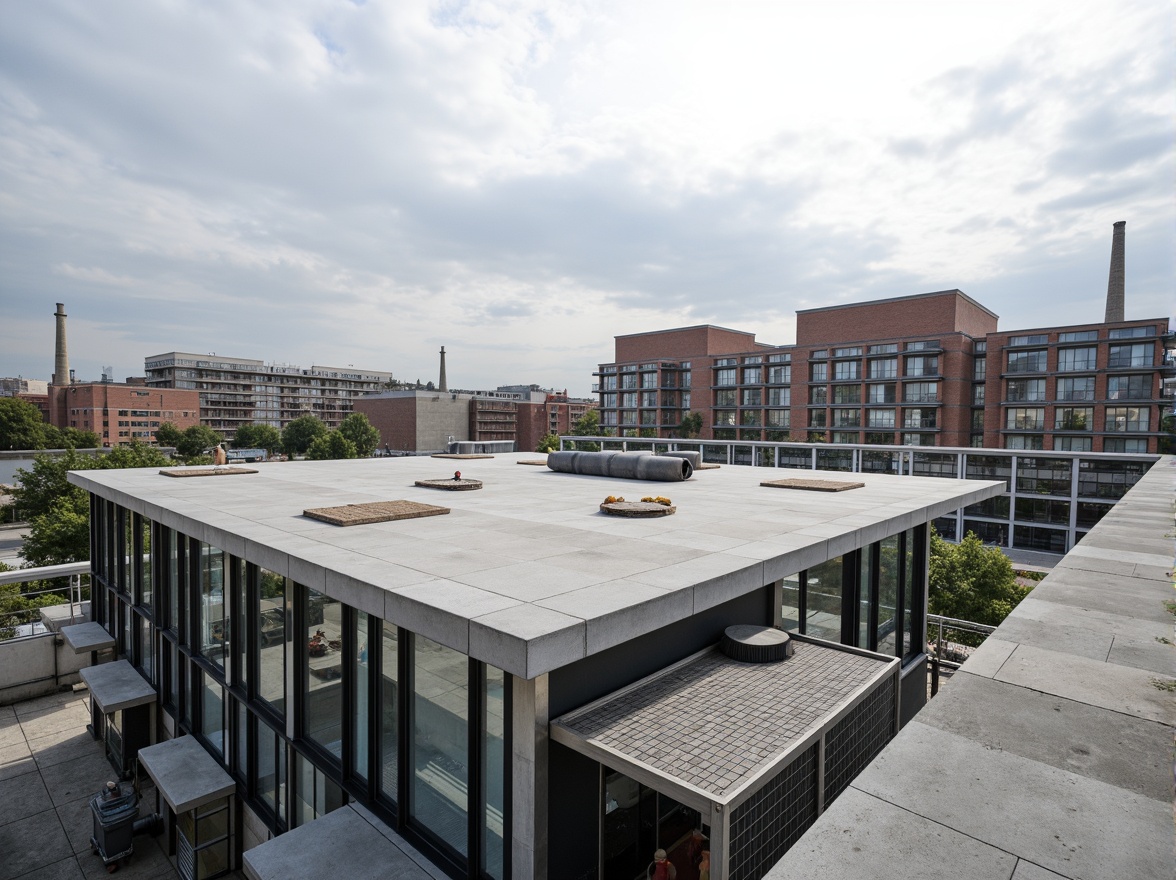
(857, 738)
(768, 823)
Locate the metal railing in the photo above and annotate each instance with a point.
(954, 641)
(30, 617)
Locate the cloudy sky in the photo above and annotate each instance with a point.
(332, 182)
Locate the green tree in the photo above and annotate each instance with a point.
(265, 437)
(549, 443)
(969, 581)
(362, 434)
(691, 425)
(61, 534)
(300, 433)
(195, 440)
(168, 434)
(70, 438)
(329, 446)
(588, 425)
(21, 425)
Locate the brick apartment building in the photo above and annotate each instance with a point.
(924, 370)
(240, 391)
(120, 413)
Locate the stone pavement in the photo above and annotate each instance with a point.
(49, 770)
(1049, 755)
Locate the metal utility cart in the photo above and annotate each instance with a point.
(115, 809)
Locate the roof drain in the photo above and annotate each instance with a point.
(756, 644)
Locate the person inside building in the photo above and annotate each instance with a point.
(660, 868)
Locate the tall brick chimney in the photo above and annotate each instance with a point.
(61, 352)
(1115, 283)
(443, 385)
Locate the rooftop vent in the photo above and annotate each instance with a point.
(756, 644)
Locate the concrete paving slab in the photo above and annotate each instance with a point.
(989, 657)
(863, 836)
(63, 745)
(1099, 743)
(1068, 639)
(31, 843)
(77, 778)
(1119, 688)
(1036, 608)
(1154, 656)
(1070, 824)
(1029, 871)
(66, 869)
(15, 760)
(22, 796)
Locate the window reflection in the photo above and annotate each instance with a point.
(790, 604)
(323, 656)
(389, 714)
(359, 642)
(212, 604)
(439, 783)
(493, 758)
(212, 715)
(271, 638)
(887, 594)
(824, 600)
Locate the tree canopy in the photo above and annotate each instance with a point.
(329, 446)
(363, 434)
(195, 439)
(549, 443)
(300, 433)
(265, 437)
(691, 425)
(588, 425)
(70, 438)
(969, 581)
(21, 426)
(168, 434)
(59, 512)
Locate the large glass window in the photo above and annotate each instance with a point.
(212, 714)
(752, 375)
(884, 393)
(880, 418)
(439, 749)
(493, 760)
(145, 561)
(271, 639)
(389, 710)
(1025, 389)
(823, 596)
(1139, 354)
(1025, 418)
(918, 418)
(1129, 387)
(1044, 476)
(1027, 361)
(1073, 444)
(753, 397)
(726, 397)
(1076, 388)
(818, 372)
(920, 392)
(888, 572)
(1127, 418)
(316, 795)
(790, 604)
(847, 418)
(270, 778)
(887, 368)
(360, 693)
(819, 394)
(725, 376)
(780, 375)
(845, 371)
(847, 393)
(1077, 359)
(1074, 418)
(323, 671)
(212, 604)
(922, 365)
(779, 418)
(779, 397)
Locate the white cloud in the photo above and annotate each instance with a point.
(331, 182)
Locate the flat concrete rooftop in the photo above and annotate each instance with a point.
(526, 573)
(1050, 753)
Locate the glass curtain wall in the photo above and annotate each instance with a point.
(322, 675)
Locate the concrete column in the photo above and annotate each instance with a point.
(529, 719)
(1116, 279)
(442, 385)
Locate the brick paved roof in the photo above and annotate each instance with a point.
(714, 722)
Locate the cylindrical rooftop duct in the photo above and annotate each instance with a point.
(622, 465)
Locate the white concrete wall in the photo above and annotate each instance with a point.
(439, 417)
(27, 667)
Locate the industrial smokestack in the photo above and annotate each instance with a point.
(442, 385)
(1115, 282)
(61, 352)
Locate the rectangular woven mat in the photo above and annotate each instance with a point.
(813, 485)
(373, 512)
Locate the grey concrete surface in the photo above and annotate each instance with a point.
(117, 685)
(86, 637)
(185, 774)
(339, 843)
(530, 539)
(1051, 749)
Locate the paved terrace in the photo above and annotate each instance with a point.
(49, 770)
(1050, 753)
(526, 573)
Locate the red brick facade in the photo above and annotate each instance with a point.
(912, 370)
(119, 414)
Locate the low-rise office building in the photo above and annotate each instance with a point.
(121, 414)
(492, 688)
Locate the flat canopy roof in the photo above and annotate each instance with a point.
(85, 637)
(186, 775)
(341, 843)
(527, 574)
(117, 685)
(706, 729)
